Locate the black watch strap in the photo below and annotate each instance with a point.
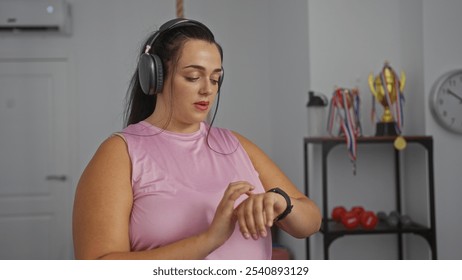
(288, 201)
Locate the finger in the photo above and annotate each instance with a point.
(249, 212)
(241, 221)
(269, 212)
(226, 205)
(233, 193)
(236, 189)
(258, 217)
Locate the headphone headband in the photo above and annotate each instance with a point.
(173, 23)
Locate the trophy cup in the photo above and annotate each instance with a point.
(387, 88)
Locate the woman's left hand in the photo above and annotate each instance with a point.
(257, 213)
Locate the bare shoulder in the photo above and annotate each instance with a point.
(114, 145)
(259, 158)
(109, 168)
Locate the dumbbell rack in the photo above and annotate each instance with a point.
(332, 230)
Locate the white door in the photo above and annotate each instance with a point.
(35, 204)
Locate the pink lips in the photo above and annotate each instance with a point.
(202, 105)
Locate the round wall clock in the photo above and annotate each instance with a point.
(446, 101)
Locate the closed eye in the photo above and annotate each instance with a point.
(192, 79)
(215, 79)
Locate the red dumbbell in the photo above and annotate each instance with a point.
(358, 210)
(350, 220)
(337, 213)
(368, 220)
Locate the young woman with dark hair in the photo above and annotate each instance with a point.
(172, 186)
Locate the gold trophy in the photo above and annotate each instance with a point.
(387, 96)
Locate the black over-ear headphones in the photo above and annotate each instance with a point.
(150, 71)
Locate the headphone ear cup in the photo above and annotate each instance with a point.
(150, 73)
(159, 74)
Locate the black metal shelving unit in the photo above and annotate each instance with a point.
(332, 230)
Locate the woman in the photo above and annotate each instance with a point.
(171, 186)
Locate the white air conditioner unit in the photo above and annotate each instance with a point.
(21, 16)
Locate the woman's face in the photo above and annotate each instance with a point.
(194, 86)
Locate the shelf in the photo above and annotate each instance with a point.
(329, 142)
(381, 228)
(367, 139)
(336, 230)
(332, 230)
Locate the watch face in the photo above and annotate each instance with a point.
(446, 101)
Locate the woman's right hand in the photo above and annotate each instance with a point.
(224, 221)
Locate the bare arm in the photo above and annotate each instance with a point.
(103, 203)
(305, 218)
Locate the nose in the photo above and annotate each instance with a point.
(207, 87)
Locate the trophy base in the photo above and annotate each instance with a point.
(386, 129)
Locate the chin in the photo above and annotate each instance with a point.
(201, 118)
(196, 120)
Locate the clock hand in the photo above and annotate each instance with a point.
(455, 95)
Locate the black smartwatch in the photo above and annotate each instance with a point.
(288, 201)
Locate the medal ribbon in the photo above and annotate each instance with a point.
(332, 115)
(343, 115)
(348, 126)
(348, 119)
(356, 106)
(399, 104)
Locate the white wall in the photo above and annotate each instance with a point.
(442, 33)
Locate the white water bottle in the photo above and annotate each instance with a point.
(316, 107)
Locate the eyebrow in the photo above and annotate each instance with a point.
(199, 67)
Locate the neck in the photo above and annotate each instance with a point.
(170, 124)
(164, 118)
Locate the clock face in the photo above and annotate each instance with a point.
(446, 101)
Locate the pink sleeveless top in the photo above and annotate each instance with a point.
(178, 181)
